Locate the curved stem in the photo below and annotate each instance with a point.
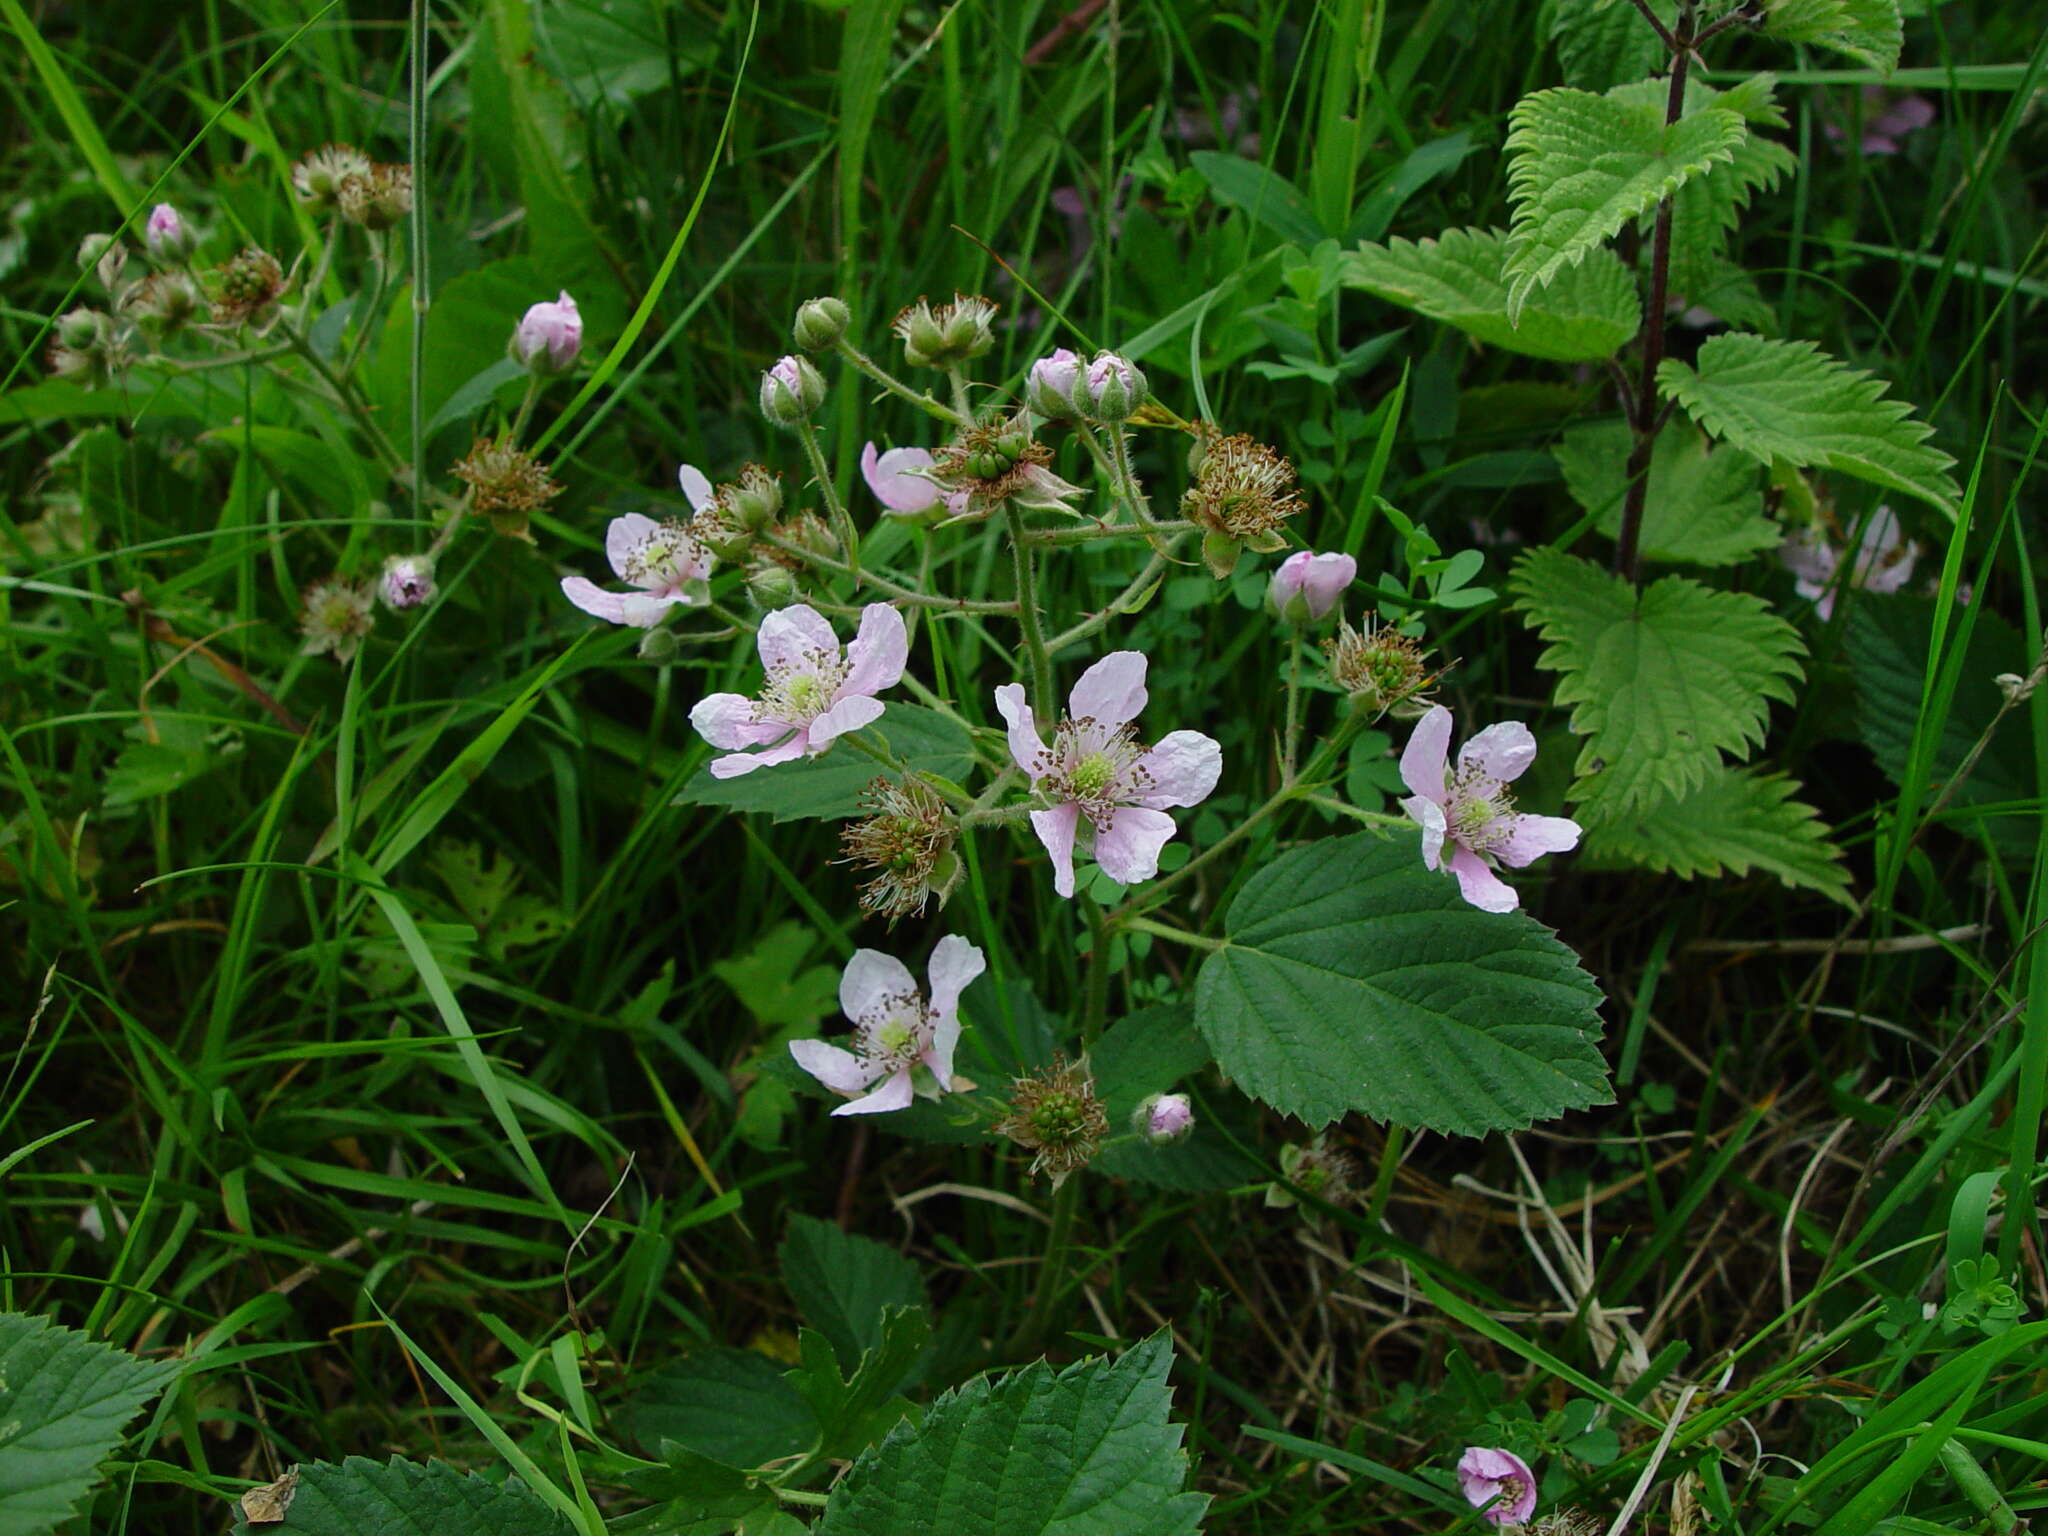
(1027, 614)
(894, 589)
(842, 524)
(924, 402)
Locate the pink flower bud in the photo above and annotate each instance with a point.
(549, 336)
(407, 582)
(1498, 1482)
(791, 391)
(1165, 1117)
(1049, 387)
(166, 235)
(1111, 390)
(1306, 586)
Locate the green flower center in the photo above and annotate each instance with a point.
(1059, 1116)
(1092, 775)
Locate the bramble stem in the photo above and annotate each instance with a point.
(1027, 615)
(924, 402)
(842, 523)
(1052, 1270)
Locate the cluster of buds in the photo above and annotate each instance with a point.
(548, 337)
(1379, 668)
(506, 484)
(1056, 1115)
(742, 522)
(946, 335)
(247, 288)
(1106, 392)
(791, 392)
(339, 178)
(907, 840)
(1243, 493)
(90, 348)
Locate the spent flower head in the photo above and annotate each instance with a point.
(1319, 1169)
(506, 483)
(998, 461)
(1470, 810)
(335, 615)
(1243, 494)
(1498, 1483)
(246, 287)
(902, 1044)
(317, 178)
(906, 839)
(1379, 667)
(1057, 1115)
(164, 302)
(379, 198)
(946, 335)
(813, 692)
(1097, 783)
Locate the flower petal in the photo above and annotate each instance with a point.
(846, 715)
(841, 1071)
(888, 477)
(876, 658)
(1127, 845)
(726, 720)
(696, 486)
(1810, 559)
(1182, 769)
(1112, 692)
(1429, 814)
(1530, 837)
(644, 610)
(872, 983)
(624, 534)
(955, 962)
(1055, 829)
(792, 638)
(746, 762)
(1502, 752)
(1027, 748)
(1480, 885)
(895, 1093)
(594, 600)
(1428, 754)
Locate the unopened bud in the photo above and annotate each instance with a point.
(821, 323)
(548, 337)
(407, 582)
(106, 257)
(81, 328)
(1163, 1118)
(755, 501)
(791, 392)
(163, 302)
(1051, 385)
(659, 645)
(166, 235)
(1111, 389)
(771, 586)
(1306, 587)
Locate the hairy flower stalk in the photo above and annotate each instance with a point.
(1243, 494)
(1056, 1115)
(907, 840)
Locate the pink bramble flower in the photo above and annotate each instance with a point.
(1884, 561)
(663, 560)
(1097, 773)
(1306, 586)
(897, 478)
(896, 1031)
(813, 693)
(1471, 809)
(1499, 1483)
(549, 336)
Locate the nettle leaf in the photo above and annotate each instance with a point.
(64, 1399)
(1588, 313)
(828, 787)
(1731, 295)
(1582, 167)
(1737, 822)
(1666, 679)
(1870, 31)
(731, 1406)
(1355, 979)
(1788, 400)
(843, 1283)
(1602, 43)
(1084, 1451)
(1704, 505)
(403, 1498)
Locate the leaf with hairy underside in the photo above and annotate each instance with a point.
(1087, 1450)
(1789, 400)
(1871, 31)
(1352, 978)
(1602, 43)
(361, 1497)
(1739, 821)
(1704, 504)
(1589, 313)
(1666, 679)
(1582, 167)
(64, 1399)
(1706, 210)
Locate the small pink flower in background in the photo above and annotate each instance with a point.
(549, 336)
(1498, 1482)
(165, 234)
(895, 1030)
(904, 492)
(1097, 773)
(1887, 120)
(663, 560)
(1306, 586)
(1471, 809)
(1165, 1117)
(813, 693)
(1884, 561)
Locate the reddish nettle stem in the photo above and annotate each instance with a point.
(1645, 420)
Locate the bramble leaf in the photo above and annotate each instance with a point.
(853, 1410)
(1737, 822)
(731, 1406)
(844, 1283)
(1355, 979)
(361, 1497)
(1590, 312)
(1582, 166)
(1704, 504)
(64, 1399)
(1788, 400)
(1084, 1451)
(1666, 679)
